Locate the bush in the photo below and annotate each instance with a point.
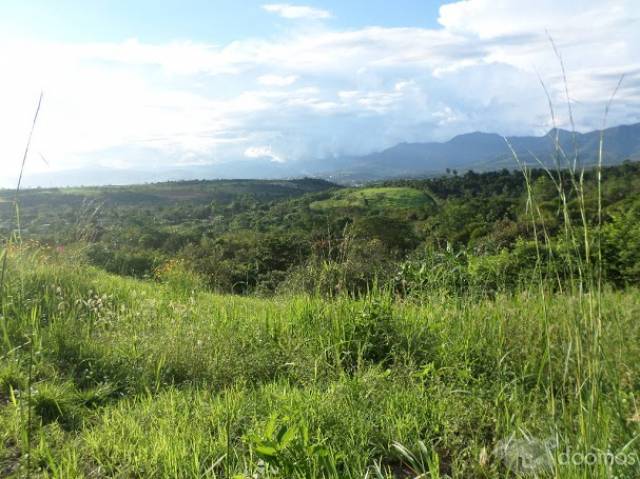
(180, 278)
(621, 248)
(435, 270)
(361, 265)
(129, 262)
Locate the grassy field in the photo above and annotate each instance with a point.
(104, 376)
(380, 198)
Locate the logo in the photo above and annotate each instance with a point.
(526, 455)
(530, 456)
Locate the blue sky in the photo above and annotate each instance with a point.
(215, 21)
(162, 84)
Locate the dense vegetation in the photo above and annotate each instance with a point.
(312, 236)
(423, 328)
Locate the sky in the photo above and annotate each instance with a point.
(158, 84)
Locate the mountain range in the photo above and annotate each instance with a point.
(478, 151)
(489, 151)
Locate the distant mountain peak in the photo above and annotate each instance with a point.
(475, 136)
(483, 151)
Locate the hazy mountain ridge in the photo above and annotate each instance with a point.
(478, 150)
(488, 151)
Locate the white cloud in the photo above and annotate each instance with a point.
(318, 92)
(263, 152)
(277, 80)
(286, 10)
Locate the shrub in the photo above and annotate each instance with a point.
(621, 247)
(180, 278)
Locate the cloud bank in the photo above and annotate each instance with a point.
(321, 92)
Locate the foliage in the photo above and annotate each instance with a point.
(621, 247)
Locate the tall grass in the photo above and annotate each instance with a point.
(16, 203)
(17, 239)
(594, 373)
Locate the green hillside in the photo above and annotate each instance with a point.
(377, 198)
(195, 192)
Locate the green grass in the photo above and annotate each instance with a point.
(137, 379)
(380, 198)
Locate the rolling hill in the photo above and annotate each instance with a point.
(391, 199)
